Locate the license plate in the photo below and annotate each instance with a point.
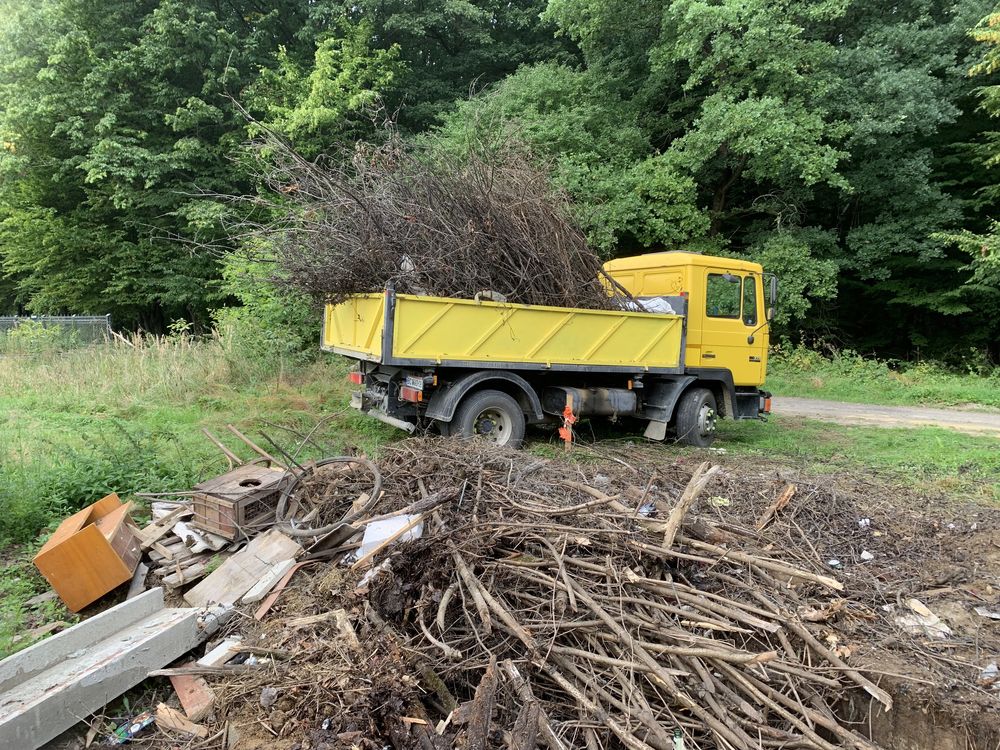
(414, 382)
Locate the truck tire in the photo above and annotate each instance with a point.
(490, 415)
(696, 417)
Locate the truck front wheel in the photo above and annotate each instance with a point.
(490, 415)
(696, 417)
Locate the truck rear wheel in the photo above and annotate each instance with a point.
(490, 415)
(696, 417)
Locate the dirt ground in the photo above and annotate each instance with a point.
(979, 421)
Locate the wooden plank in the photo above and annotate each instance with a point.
(177, 553)
(236, 483)
(195, 694)
(185, 576)
(162, 551)
(222, 653)
(259, 590)
(161, 527)
(172, 719)
(265, 607)
(235, 577)
(304, 622)
(166, 567)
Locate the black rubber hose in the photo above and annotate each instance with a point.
(284, 524)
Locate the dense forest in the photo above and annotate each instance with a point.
(849, 146)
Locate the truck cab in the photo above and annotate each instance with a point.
(685, 343)
(725, 307)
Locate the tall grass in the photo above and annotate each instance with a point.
(120, 370)
(126, 416)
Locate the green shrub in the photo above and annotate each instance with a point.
(32, 337)
(271, 330)
(37, 494)
(849, 376)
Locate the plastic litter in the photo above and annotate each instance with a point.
(378, 531)
(126, 732)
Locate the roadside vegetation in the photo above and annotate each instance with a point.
(929, 459)
(846, 375)
(126, 416)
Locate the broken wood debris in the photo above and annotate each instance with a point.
(196, 696)
(521, 609)
(238, 574)
(479, 604)
(173, 720)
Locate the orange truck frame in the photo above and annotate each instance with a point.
(487, 369)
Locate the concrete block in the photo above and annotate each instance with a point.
(21, 666)
(49, 687)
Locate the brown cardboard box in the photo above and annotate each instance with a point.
(91, 553)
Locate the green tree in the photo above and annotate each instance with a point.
(813, 135)
(115, 118)
(450, 48)
(329, 102)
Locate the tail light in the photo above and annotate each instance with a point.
(356, 377)
(767, 405)
(411, 394)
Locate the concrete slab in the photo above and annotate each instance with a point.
(49, 687)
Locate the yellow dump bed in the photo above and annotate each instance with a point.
(410, 330)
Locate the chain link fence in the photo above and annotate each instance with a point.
(65, 330)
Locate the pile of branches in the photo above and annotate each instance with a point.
(541, 608)
(424, 221)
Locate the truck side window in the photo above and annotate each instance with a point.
(722, 298)
(750, 301)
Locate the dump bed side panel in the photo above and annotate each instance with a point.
(355, 327)
(464, 332)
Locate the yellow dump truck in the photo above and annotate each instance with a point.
(476, 367)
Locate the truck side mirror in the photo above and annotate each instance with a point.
(770, 314)
(772, 302)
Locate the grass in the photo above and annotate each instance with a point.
(847, 376)
(127, 417)
(935, 459)
(78, 424)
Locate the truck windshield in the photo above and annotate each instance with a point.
(722, 298)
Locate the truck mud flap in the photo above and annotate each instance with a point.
(661, 398)
(655, 430)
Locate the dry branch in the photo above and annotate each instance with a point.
(421, 220)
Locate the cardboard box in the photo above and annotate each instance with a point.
(91, 553)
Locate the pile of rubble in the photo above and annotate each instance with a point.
(458, 595)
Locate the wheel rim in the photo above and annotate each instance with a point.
(493, 425)
(706, 419)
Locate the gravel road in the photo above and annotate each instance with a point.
(973, 422)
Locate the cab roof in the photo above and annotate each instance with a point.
(673, 258)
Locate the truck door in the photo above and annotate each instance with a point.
(732, 312)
